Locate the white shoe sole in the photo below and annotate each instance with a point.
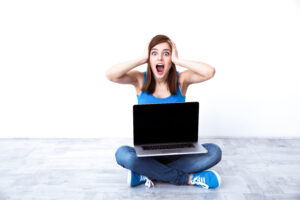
(129, 178)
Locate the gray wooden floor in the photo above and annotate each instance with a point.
(86, 169)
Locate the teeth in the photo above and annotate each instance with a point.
(160, 64)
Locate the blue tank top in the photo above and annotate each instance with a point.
(145, 98)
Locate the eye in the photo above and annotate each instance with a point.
(166, 53)
(153, 53)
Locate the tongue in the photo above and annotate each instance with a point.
(160, 69)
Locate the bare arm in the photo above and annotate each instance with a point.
(196, 71)
(121, 73)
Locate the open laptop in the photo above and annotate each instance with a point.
(166, 129)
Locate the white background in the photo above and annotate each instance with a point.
(54, 54)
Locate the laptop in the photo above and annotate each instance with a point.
(166, 129)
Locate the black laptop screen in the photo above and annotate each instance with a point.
(165, 123)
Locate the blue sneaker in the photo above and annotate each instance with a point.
(206, 179)
(134, 179)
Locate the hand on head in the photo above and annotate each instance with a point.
(146, 51)
(174, 51)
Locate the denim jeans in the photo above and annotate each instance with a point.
(173, 169)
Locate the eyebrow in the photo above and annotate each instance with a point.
(163, 50)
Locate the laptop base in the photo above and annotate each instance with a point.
(143, 151)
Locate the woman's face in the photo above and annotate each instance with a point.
(161, 60)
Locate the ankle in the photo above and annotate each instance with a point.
(190, 179)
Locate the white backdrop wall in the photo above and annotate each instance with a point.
(54, 54)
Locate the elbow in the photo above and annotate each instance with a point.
(212, 73)
(108, 75)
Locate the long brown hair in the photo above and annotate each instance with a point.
(150, 82)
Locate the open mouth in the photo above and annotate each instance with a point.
(160, 68)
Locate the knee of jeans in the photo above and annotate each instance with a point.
(215, 150)
(125, 156)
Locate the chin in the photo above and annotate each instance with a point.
(160, 76)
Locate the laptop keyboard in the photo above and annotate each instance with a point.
(168, 146)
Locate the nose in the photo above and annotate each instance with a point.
(159, 56)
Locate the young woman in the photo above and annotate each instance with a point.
(163, 84)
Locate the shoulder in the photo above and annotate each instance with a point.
(139, 77)
(183, 85)
(135, 74)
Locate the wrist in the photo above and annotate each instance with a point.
(144, 60)
(176, 61)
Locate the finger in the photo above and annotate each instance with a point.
(172, 43)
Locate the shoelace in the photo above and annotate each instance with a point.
(200, 181)
(149, 183)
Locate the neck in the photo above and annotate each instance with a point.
(160, 82)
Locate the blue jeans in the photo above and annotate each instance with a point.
(173, 169)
